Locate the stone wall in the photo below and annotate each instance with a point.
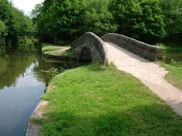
(90, 47)
(140, 48)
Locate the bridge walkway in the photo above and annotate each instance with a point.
(150, 73)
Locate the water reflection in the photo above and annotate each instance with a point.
(23, 79)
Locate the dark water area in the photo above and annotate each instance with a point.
(23, 80)
(168, 57)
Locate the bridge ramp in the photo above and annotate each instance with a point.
(150, 73)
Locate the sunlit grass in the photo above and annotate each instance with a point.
(175, 73)
(102, 101)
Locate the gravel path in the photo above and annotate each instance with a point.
(151, 74)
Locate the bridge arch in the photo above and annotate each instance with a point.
(89, 47)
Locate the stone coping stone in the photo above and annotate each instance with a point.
(34, 129)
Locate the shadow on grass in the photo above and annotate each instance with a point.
(152, 120)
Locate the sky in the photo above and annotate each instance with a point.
(25, 5)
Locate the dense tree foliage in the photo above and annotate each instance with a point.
(172, 11)
(59, 20)
(3, 32)
(97, 18)
(12, 22)
(68, 19)
(148, 20)
(139, 19)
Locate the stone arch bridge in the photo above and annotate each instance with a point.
(90, 47)
(129, 55)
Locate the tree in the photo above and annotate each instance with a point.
(154, 26)
(68, 19)
(3, 32)
(141, 19)
(59, 20)
(97, 18)
(172, 11)
(127, 14)
(7, 18)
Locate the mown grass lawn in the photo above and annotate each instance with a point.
(175, 73)
(102, 101)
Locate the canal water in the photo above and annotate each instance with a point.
(23, 80)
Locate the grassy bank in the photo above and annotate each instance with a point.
(171, 48)
(100, 101)
(49, 50)
(175, 73)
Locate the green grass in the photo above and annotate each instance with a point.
(65, 53)
(171, 48)
(175, 73)
(102, 101)
(48, 47)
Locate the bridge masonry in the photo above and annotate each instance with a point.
(139, 48)
(90, 47)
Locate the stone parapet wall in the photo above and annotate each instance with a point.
(142, 49)
(91, 44)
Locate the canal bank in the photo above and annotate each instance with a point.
(23, 80)
(100, 100)
(54, 53)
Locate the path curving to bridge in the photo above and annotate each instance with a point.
(150, 73)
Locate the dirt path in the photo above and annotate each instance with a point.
(151, 74)
(62, 48)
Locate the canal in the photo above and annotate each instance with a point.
(23, 80)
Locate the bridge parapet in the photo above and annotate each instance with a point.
(140, 48)
(89, 47)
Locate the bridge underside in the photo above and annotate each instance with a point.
(85, 54)
(89, 47)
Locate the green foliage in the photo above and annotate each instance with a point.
(100, 101)
(7, 17)
(27, 43)
(22, 22)
(97, 18)
(171, 47)
(172, 11)
(68, 19)
(147, 20)
(2, 50)
(139, 19)
(3, 32)
(128, 14)
(59, 20)
(12, 22)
